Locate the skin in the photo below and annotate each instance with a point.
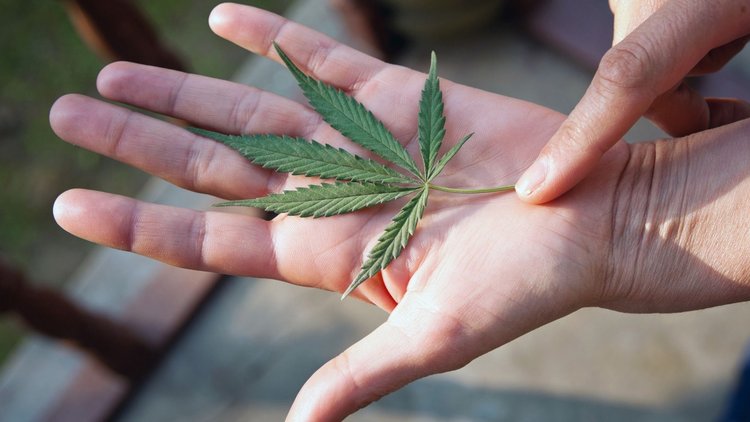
(656, 45)
(653, 229)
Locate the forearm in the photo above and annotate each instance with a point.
(681, 226)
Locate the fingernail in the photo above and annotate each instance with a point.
(532, 178)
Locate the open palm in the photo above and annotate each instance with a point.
(480, 270)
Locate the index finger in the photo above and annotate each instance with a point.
(316, 54)
(648, 62)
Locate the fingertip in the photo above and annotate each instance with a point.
(57, 111)
(533, 180)
(94, 216)
(568, 157)
(65, 209)
(251, 28)
(216, 17)
(220, 18)
(541, 184)
(112, 78)
(537, 197)
(551, 176)
(64, 113)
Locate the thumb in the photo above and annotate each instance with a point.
(651, 60)
(390, 357)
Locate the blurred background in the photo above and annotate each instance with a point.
(41, 58)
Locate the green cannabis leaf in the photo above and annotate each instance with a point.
(393, 240)
(350, 118)
(300, 157)
(360, 182)
(326, 200)
(431, 119)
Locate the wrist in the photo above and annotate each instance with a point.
(680, 228)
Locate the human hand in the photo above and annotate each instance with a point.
(657, 43)
(479, 271)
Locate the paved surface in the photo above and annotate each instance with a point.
(41, 371)
(257, 341)
(246, 357)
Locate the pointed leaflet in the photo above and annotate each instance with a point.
(431, 119)
(448, 155)
(393, 240)
(298, 156)
(325, 200)
(350, 118)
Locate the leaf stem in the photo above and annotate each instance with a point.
(504, 188)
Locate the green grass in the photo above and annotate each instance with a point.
(42, 58)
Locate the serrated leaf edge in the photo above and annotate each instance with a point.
(386, 146)
(431, 119)
(440, 166)
(393, 239)
(325, 200)
(311, 158)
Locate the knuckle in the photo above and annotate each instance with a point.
(117, 132)
(626, 66)
(245, 108)
(571, 137)
(198, 166)
(319, 57)
(198, 234)
(175, 94)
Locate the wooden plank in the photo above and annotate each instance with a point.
(160, 310)
(153, 299)
(91, 396)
